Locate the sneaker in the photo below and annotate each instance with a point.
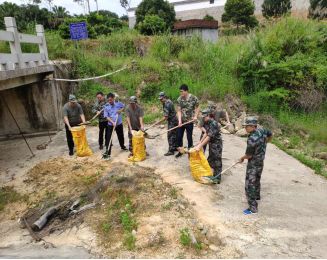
(106, 155)
(124, 148)
(248, 212)
(213, 179)
(178, 155)
(169, 153)
(71, 153)
(101, 147)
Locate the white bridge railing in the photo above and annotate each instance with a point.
(17, 59)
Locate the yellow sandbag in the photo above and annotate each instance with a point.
(199, 165)
(138, 143)
(80, 141)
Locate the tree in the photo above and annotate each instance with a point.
(276, 8)
(125, 4)
(318, 9)
(8, 9)
(161, 8)
(124, 18)
(240, 12)
(60, 12)
(208, 17)
(85, 4)
(151, 25)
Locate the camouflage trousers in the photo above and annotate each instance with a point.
(252, 184)
(214, 158)
(172, 135)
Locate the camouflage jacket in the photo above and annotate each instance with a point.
(256, 145)
(213, 130)
(169, 110)
(97, 107)
(187, 107)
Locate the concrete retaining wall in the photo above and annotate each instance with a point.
(36, 107)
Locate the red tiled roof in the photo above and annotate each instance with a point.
(195, 23)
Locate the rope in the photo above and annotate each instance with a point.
(92, 78)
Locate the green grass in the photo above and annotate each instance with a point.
(185, 238)
(317, 165)
(173, 193)
(129, 241)
(9, 195)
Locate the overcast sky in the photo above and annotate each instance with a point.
(74, 8)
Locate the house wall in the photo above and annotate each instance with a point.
(210, 35)
(198, 9)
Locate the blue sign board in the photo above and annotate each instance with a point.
(78, 31)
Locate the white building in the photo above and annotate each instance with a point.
(189, 9)
(197, 9)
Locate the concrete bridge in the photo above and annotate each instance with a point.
(29, 103)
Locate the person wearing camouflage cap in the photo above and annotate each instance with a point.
(134, 116)
(73, 116)
(255, 154)
(169, 115)
(220, 116)
(212, 137)
(187, 110)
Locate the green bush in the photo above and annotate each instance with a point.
(286, 55)
(269, 101)
(318, 9)
(152, 25)
(276, 8)
(208, 17)
(240, 12)
(161, 8)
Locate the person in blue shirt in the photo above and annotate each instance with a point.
(112, 112)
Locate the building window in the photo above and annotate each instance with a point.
(212, 1)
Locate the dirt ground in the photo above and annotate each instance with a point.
(292, 213)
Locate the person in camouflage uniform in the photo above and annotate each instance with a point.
(255, 154)
(98, 108)
(187, 110)
(169, 114)
(217, 115)
(213, 137)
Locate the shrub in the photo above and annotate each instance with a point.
(276, 8)
(208, 18)
(151, 25)
(269, 101)
(240, 12)
(318, 9)
(286, 55)
(161, 8)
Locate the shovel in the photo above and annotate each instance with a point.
(223, 172)
(153, 125)
(171, 129)
(112, 134)
(89, 122)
